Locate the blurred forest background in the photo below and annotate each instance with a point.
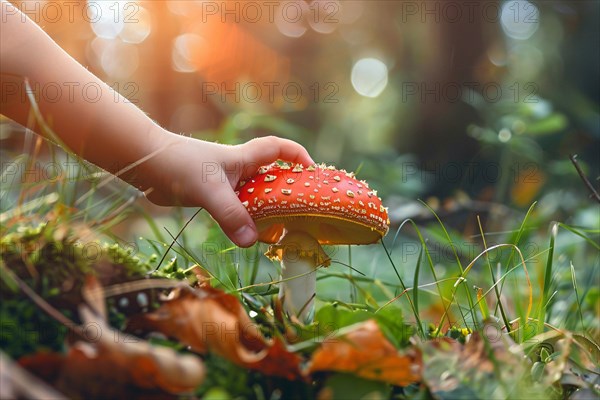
(432, 100)
(472, 107)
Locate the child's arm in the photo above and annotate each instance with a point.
(113, 133)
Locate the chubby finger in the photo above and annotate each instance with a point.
(265, 150)
(233, 218)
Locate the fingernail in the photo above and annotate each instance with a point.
(245, 236)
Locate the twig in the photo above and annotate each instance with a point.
(594, 194)
(173, 242)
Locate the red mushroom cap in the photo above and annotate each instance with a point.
(329, 204)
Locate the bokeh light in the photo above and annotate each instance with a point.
(107, 18)
(504, 135)
(519, 19)
(137, 31)
(182, 55)
(369, 77)
(324, 15)
(290, 18)
(116, 59)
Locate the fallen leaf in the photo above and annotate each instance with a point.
(364, 351)
(489, 365)
(202, 277)
(575, 360)
(112, 367)
(106, 363)
(117, 366)
(208, 319)
(18, 383)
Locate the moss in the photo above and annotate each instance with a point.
(51, 260)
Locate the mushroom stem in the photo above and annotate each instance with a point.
(300, 255)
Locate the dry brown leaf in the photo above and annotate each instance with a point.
(126, 358)
(365, 352)
(476, 352)
(118, 366)
(114, 365)
(202, 277)
(18, 383)
(104, 362)
(207, 319)
(484, 367)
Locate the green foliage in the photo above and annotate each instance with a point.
(346, 386)
(333, 317)
(49, 259)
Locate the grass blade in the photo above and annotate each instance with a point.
(574, 280)
(502, 312)
(412, 306)
(547, 280)
(416, 282)
(467, 291)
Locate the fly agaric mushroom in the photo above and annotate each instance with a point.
(297, 209)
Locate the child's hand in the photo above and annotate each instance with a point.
(111, 132)
(191, 172)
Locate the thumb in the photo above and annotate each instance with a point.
(233, 218)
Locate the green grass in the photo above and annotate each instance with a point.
(537, 287)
